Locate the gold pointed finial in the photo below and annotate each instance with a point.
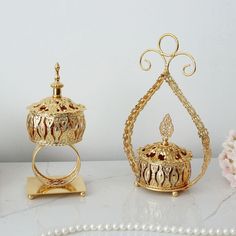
(57, 85)
(166, 128)
(57, 69)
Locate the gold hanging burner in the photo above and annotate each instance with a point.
(164, 166)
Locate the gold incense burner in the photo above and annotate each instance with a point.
(164, 166)
(55, 121)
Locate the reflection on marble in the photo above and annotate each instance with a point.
(168, 211)
(112, 198)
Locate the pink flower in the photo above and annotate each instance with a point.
(228, 145)
(225, 163)
(231, 178)
(227, 159)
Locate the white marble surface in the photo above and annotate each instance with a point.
(112, 198)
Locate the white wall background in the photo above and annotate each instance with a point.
(98, 44)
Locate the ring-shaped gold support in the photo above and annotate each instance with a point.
(55, 181)
(41, 185)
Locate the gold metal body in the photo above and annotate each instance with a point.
(152, 171)
(55, 121)
(164, 166)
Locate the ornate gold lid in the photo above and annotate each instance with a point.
(56, 104)
(56, 120)
(165, 151)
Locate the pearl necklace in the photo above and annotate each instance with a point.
(143, 227)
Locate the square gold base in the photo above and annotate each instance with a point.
(35, 188)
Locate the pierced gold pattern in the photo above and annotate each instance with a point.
(166, 128)
(164, 166)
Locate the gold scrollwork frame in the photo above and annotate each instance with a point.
(165, 76)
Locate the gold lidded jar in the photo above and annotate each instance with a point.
(164, 166)
(56, 120)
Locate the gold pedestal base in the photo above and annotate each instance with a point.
(35, 188)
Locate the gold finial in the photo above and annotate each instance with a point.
(57, 69)
(166, 128)
(57, 85)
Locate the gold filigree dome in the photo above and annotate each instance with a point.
(55, 106)
(165, 152)
(159, 152)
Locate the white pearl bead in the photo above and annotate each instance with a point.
(180, 230)
(137, 227)
(115, 227)
(151, 228)
(122, 227)
(211, 232)
(65, 231)
(100, 227)
(93, 227)
(196, 231)
(226, 232)
(85, 227)
(71, 229)
(50, 233)
(173, 229)
(203, 231)
(188, 231)
(158, 228)
(166, 229)
(57, 232)
(108, 227)
(232, 231)
(144, 227)
(78, 228)
(130, 227)
(218, 232)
